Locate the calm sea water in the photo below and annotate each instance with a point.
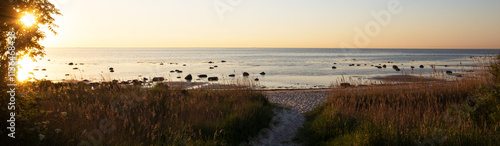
(284, 67)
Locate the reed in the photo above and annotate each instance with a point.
(411, 110)
(111, 114)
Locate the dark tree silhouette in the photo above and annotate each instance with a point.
(28, 37)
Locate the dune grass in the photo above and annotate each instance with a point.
(110, 114)
(420, 111)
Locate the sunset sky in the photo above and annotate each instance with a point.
(277, 23)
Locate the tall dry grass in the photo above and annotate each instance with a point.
(111, 114)
(405, 110)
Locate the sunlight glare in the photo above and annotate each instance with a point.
(28, 19)
(25, 70)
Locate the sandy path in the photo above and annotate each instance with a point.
(285, 125)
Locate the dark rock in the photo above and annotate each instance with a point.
(395, 66)
(379, 67)
(75, 68)
(210, 62)
(158, 79)
(202, 76)
(179, 77)
(345, 84)
(445, 65)
(223, 61)
(245, 74)
(161, 63)
(232, 75)
(213, 79)
(184, 65)
(172, 71)
(111, 68)
(412, 67)
(136, 82)
(384, 66)
(216, 66)
(397, 69)
(449, 72)
(334, 63)
(188, 77)
(333, 67)
(94, 84)
(256, 79)
(263, 73)
(211, 68)
(421, 66)
(71, 63)
(358, 65)
(66, 74)
(43, 69)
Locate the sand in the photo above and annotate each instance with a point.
(288, 120)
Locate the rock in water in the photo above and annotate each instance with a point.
(158, 79)
(213, 79)
(345, 84)
(188, 77)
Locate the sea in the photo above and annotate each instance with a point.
(293, 68)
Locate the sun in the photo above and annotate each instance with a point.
(28, 19)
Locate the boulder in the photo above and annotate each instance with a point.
(71, 63)
(232, 75)
(202, 76)
(223, 61)
(449, 72)
(245, 74)
(213, 79)
(256, 79)
(210, 62)
(263, 73)
(156, 79)
(188, 77)
(421, 66)
(211, 68)
(384, 66)
(345, 84)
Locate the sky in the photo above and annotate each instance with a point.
(278, 23)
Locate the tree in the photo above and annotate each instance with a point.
(26, 43)
(28, 37)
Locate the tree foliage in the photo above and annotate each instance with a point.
(28, 37)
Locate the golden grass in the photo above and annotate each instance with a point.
(110, 114)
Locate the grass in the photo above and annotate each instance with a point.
(418, 111)
(109, 114)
